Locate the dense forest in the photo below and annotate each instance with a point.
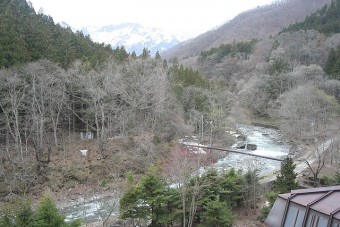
(57, 87)
(242, 49)
(29, 36)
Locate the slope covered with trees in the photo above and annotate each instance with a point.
(290, 79)
(259, 23)
(326, 20)
(29, 36)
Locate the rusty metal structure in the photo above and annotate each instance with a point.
(317, 207)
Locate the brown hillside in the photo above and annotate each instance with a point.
(258, 23)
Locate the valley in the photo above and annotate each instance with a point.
(91, 125)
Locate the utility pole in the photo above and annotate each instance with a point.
(202, 130)
(211, 134)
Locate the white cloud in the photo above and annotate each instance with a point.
(180, 17)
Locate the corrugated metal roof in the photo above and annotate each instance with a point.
(317, 207)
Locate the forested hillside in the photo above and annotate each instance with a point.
(259, 23)
(29, 36)
(271, 68)
(326, 20)
(291, 78)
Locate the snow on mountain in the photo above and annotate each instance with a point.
(63, 24)
(134, 37)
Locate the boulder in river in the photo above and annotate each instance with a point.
(251, 147)
(241, 137)
(241, 145)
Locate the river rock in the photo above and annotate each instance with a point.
(241, 145)
(251, 147)
(241, 137)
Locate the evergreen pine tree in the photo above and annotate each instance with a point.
(133, 55)
(158, 56)
(151, 200)
(332, 66)
(285, 180)
(217, 214)
(24, 213)
(146, 53)
(47, 214)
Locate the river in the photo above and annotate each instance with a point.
(269, 143)
(93, 209)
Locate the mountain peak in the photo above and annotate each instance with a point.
(133, 36)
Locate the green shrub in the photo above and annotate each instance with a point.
(327, 181)
(337, 178)
(217, 214)
(45, 215)
(17, 215)
(24, 213)
(271, 197)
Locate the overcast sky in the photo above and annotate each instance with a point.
(187, 18)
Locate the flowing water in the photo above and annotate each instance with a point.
(94, 209)
(269, 143)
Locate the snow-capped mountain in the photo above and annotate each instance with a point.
(134, 37)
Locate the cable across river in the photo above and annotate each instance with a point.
(234, 151)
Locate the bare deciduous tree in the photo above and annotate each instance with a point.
(308, 115)
(46, 99)
(12, 103)
(181, 168)
(130, 98)
(306, 111)
(48, 96)
(254, 97)
(143, 88)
